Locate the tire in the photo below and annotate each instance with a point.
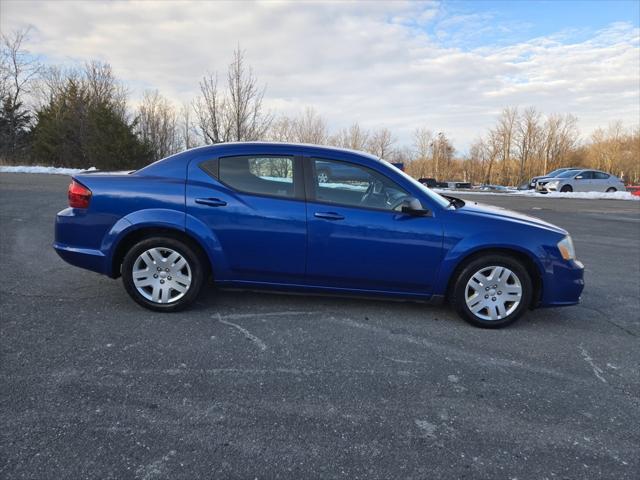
(169, 286)
(502, 306)
(323, 176)
(566, 188)
(611, 190)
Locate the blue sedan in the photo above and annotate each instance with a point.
(259, 215)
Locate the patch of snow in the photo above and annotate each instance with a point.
(532, 193)
(40, 169)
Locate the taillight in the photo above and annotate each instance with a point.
(79, 195)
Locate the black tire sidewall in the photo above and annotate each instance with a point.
(195, 263)
(458, 294)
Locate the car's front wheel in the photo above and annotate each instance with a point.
(566, 188)
(163, 273)
(492, 291)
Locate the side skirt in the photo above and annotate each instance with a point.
(296, 289)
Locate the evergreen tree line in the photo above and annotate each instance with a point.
(82, 118)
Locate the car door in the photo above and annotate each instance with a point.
(583, 181)
(357, 240)
(254, 208)
(601, 181)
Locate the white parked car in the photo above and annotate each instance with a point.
(581, 181)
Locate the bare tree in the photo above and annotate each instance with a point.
(189, 137)
(18, 71)
(211, 111)
(310, 128)
(18, 68)
(380, 143)
(506, 132)
(353, 137)
(248, 120)
(103, 88)
(236, 114)
(157, 125)
(528, 138)
(282, 129)
(561, 136)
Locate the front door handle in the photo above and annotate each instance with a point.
(328, 215)
(211, 202)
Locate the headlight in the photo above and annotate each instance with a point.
(566, 248)
(553, 184)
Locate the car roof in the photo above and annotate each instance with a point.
(302, 146)
(174, 164)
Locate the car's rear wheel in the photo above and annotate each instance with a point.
(492, 291)
(163, 273)
(567, 188)
(611, 190)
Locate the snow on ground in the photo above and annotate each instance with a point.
(532, 193)
(38, 169)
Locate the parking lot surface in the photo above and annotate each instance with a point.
(253, 385)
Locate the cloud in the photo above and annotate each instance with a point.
(395, 64)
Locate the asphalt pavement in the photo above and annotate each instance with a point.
(253, 385)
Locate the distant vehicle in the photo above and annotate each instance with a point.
(634, 189)
(398, 165)
(428, 182)
(581, 181)
(256, 215)
(553, 174)
(460, 185)
(433, 183)
(494, 188)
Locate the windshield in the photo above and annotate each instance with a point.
(557, 172)
(567, 174)
(440, 200)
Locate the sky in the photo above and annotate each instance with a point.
(449, 66)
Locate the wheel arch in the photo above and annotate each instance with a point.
(527, 261)
(135, 235)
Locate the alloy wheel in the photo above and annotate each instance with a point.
(493, 293)
(161, 275)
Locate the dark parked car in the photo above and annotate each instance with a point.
(428, 182)
(460, 185)
(258, 215)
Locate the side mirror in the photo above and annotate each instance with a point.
(412, 206)
(579, 177)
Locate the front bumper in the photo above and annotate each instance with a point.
(563, 284)
(545, 188)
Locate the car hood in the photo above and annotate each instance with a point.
(473, 208)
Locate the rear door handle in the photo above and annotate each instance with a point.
(211, 202)
(328, 215)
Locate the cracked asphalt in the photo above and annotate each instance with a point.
(251, 385)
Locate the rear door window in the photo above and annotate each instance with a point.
(261, 175)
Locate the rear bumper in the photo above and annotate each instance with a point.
(563, 284)
(93, 260)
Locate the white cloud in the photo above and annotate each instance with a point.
(368, 61)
